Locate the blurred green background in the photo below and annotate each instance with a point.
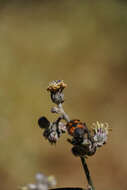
(85, 44)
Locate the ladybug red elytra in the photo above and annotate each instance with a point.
(75, 124)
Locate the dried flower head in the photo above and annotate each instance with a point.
(101, 131)
(84, 150)
(54, 131)
(56, 85)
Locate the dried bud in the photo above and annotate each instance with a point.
(62, 128)
(43, 122)
(53, 136)
(56, 87)
(54, 131)
(55, 110)
(79, 150)
(82, 151)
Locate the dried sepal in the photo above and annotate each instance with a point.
(57, 97)
(43, 122)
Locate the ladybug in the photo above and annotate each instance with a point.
(76, 128)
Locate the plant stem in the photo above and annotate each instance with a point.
(61, 110)
(87, 173)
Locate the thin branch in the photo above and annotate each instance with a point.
(87, 173)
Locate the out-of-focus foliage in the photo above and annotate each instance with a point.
(83, 43)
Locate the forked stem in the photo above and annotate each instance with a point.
(61, 110)
(87, 173)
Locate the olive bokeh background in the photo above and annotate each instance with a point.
(85, 44)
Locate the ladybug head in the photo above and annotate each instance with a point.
(79, 133)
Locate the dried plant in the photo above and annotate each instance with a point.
(85, 141)
(42, 183)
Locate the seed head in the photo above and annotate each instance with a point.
(56, 85)
(101, 131)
